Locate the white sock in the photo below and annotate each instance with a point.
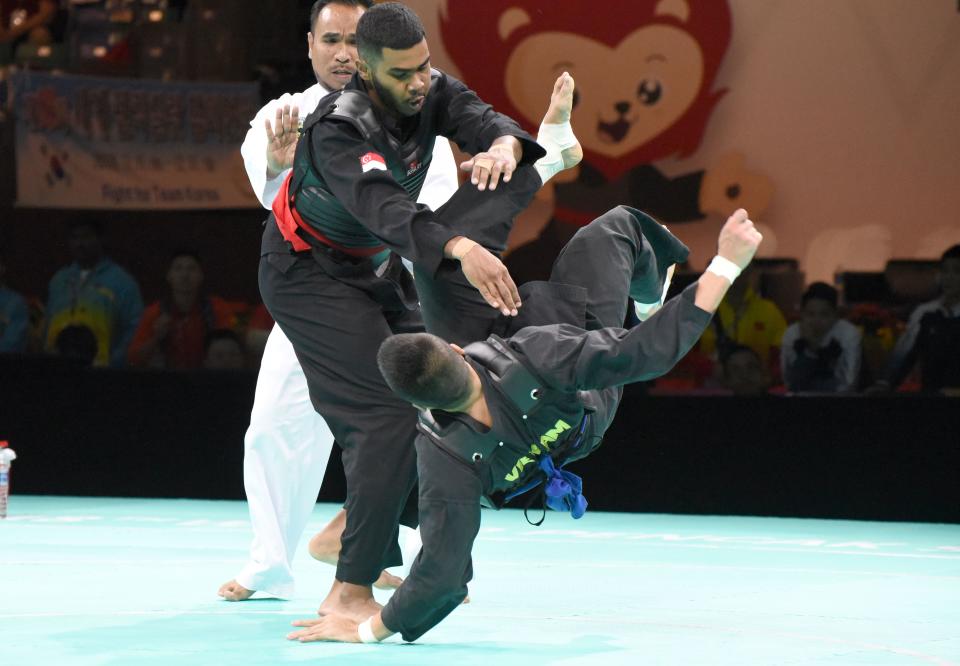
(554, 138)
(409, 548)
(645, 310)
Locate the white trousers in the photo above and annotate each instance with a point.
(286, 450)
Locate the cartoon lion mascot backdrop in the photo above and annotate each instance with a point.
(645, 73)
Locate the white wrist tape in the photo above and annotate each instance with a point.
(724, 268)
(366, 632)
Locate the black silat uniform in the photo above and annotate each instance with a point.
(331, 277)
(577, 369)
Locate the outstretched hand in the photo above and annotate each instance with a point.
(326, 628)
(491, 278)
(488, 167)
(282, 138)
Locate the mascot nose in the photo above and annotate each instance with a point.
(622, 107)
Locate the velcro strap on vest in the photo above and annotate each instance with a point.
(459, 439)
(508, 371)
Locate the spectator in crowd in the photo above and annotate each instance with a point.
(932, 337)
(821, 352)
(743, 371)
(223, 350)
(745, 318)
(14, 317)
(77, 342)
(31, 21)
(173, 330)
(95, 292)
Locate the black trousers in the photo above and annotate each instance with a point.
(452, 308)
(621, 254)
(336, 312)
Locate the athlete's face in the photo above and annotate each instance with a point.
(332, 45)
(400, 78)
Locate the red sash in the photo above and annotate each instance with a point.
(289, 221)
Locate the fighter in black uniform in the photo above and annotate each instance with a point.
(502, 415)
(330, 269)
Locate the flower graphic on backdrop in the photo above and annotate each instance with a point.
(46, 111)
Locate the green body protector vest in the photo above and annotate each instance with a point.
(313, 200)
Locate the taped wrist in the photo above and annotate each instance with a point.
(724, 268)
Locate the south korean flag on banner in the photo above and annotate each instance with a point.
(372, 161)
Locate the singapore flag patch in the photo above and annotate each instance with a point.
(372, 161)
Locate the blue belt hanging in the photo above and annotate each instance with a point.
(563, 490)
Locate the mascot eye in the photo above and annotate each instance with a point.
(649, 91)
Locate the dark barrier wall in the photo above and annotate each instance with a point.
(151, 434)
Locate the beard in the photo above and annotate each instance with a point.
(388, 100)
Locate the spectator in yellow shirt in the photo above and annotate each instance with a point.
(745, 318)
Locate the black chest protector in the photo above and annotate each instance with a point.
(407, 162)
(512, 378)
(487, 451)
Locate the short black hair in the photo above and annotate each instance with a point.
(218, 334)
(85, 222)
(822, 292)
(734, 350)
(951, 253)
(424, 370)
(184, 252)
(320, 4)
(389, 25)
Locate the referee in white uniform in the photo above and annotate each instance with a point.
(288, 444)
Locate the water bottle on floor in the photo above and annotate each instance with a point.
(7, 456)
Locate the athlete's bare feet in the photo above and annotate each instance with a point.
(353, 601)
(325, 547)
(556, 136)
(234, 591)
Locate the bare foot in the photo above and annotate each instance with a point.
(388, 581)
(556, 137)
(234, 591)
(348, 600)
(325, 547)
(558, 113)
(561, 101)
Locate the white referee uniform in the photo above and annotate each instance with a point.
(288, 444)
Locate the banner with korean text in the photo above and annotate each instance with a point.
(106, 143)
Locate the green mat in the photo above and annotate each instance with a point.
(124, 581)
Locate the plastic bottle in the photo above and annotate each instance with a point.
(7, 456)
